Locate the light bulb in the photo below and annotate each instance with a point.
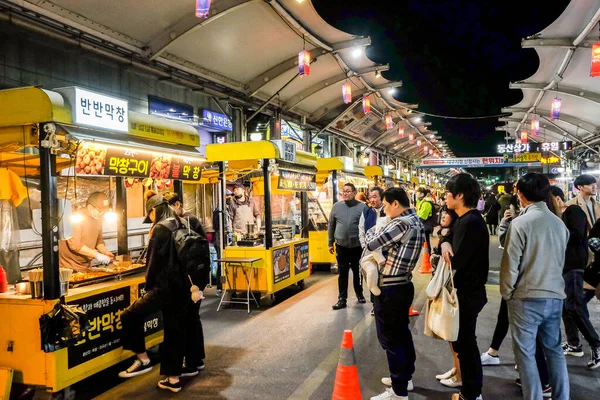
(76, 218)
(110, 216)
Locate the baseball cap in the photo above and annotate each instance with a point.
(99, 200)
(151, 204)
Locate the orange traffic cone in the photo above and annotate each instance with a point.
(411, 312)
(346, 385)
(426, 264)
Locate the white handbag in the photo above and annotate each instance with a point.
(442, 317)
(438, 281)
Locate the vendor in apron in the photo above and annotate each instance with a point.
(86, 246)
(242, 210)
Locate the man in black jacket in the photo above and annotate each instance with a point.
(467, 249)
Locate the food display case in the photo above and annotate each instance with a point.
(276, 171)
(86, 142)
(332, 174)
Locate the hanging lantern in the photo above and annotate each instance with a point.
(347, 92)
(400, 131)
(518, 146)
(425, 150)
(535, 127)
(524, 137)
(431, 152)
(366, 103)
(555, 112)
(595, 68)
(411, 138)
(389, 123)
(202, 8)
(418, 144)
(304, 63)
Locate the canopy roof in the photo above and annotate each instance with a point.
(565, 50)
(249, 48)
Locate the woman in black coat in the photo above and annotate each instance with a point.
(491, 213)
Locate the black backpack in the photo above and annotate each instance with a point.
(193, 252)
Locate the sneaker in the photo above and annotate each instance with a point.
(546, 389)
(201, 365)
(451, 382)
(594, 359)
(187, 371)
(168, 385)
(389, 395)
(570, 350)
(137, 368)
(339, 305)
(388, 382)
(373, 311)
(446, 375)
(488, 359)
(362, 300)
(459, 396)
(219, 292)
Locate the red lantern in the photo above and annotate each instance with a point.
(304, 63)
(418, 144)
(202, 8)
(425, 150)
(401, 131)
(366, 103)
(555, 111)
(595, 68)
(411, 138)
(535, 127)
(347, 92)
(389, 123)
(431, 152)
(524, 137)
(518, 141)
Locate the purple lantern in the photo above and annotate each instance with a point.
(555, 112)
(202, 8)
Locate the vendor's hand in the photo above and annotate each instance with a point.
(331, 249)
(109, 255)
(509, 214)
(102, 258)
(447, 252)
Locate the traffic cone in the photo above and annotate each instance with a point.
(426, 264)
(411, 312)
(346, 385)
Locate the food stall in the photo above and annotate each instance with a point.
(277, 171)
(332, 174)
(381, 176)
(74, 135)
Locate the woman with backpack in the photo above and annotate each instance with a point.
(166, 291)
(491, 213)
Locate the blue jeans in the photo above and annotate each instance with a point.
(531, 318)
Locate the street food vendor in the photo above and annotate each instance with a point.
(86, 246)
(242, 210)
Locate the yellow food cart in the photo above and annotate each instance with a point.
(276, 170)
(332, 174)
(381, 176)
(79, 134)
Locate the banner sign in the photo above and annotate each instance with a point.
(473, 162)
(534, 147)
(523, 158)
(215, 120)
(281, 264)
(104, 312)
(100, 111)
(300, 257)
(125, 162)
(296, 181)
(152, 323)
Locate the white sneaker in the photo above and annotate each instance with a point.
(451, 382)
(457, 396)
(488, 359)
(446, 375)
(388, 382)
(389, 395)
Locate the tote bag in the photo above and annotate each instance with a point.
(442, 318)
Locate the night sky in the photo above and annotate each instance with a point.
(454, 57)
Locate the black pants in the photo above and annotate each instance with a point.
(393, 332)
(428, 239)
(470, 305)
(576, 316)
(173, 312)
(348, 259)
(194, 336)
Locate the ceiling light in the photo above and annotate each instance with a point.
(300, 1)
(172, 110)
(418, 119)
(392, 90)
(357, 52)
(255, 136)
(378, 74)
(431, 136)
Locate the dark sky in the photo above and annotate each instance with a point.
(454, 57)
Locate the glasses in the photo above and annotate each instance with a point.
(347, 191)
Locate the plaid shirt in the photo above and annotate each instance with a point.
(402, 239)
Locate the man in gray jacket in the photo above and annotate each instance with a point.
(343, 231)
(531, 282)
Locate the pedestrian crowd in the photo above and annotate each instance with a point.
(549, 272)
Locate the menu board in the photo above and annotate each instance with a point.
(296, 181)
(281, 264)
(300, 257)
(154, 322)
(104, 312)
(186, 169)
(126, 162)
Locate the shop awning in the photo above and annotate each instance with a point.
(345, 164)
(125, 140)
(251, 151)
(31, 105)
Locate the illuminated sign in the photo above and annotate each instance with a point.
(534, 147)
(287, 150)
(100, 111)
(215, 120)
(296, 181)
(550, 160)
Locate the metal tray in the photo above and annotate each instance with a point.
(108, 277)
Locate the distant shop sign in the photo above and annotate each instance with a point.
(99, 111)
(214, 120)
(534, 147)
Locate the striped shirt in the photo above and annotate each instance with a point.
(402, 239)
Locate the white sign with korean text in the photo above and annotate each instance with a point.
(287, 150)
(100, 111)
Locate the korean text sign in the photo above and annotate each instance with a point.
(296, 181)
(215, 120)
(100, 111)
(104, 312)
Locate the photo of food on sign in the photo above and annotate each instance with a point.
(91, 160)
(281, 264)
(161, 167)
